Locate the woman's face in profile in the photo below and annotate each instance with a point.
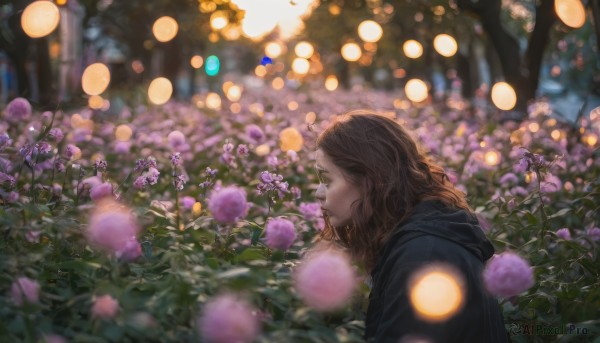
(335, 193)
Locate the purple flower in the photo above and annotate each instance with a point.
(105, 307)
(564, 234)
(521, 166)
(228, 204)
(100, 165)
(130, 251)
(18, 110)
(8, 181)
(228, 319)
(100, 191)
(326, 280)
(188, 202)
(111, 227)
(176, 139)
(280, 234)
(551, 184)
(72, 152)
(24, 290)
(176, 159)
(594, 233)
(242, 150)
(507, 275)
(255, 133)
(56, 135)
(509, 179)
(266, 177)
(310, 211)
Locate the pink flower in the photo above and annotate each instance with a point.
(594, 233)
(25, 290)
(255, 133)
(111, 226)
(564, 234)
(72, 152)
(228, 204)
(507, 275)
(100, 191)
(176, 139)
(326, 280)
(131, 251)
(188, 202)
(228, 319)
(18, 110)
(280, 234)
(105, 307)
(311, 210)
(551, 184)
(54, 339)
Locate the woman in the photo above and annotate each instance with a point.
(396, 212)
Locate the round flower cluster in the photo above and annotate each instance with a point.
(507, 275)
(228, 204)
(280, 234)
(228, 319)
(326, 280)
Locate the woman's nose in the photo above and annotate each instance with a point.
(320, 193)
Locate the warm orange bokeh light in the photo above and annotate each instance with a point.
(412, 49)
(504, 96)
(165, 29)
(416, 90)
(445, 45)
(290, 139)
(570, 12)
(370, 31)
(160, 91)
(95, 79)
(436, 293)
(40, 18)
(351, 52)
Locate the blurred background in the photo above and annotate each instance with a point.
(106, 53)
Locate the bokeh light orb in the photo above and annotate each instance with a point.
(445, 45)
(416, 90)
(504, 96)
(40, 19)
(300, 66)
(412, 49)
(304, 49)
(95, 102)
(351, 52)
(213, 101)
(331, 83)
(570, 12)
(436, 294)
(196, 61)
(123, 133)
(290, 139)
(492, 158)
(310, 117)
(219, 20)
(234, 93)
(160, 91)
(370, 31)
(273, 49)
(165, 29)
(95, 79)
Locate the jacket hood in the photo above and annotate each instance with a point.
(437, 219)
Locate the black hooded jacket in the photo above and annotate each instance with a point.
(434, 233)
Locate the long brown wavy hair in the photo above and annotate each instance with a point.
(392, 173)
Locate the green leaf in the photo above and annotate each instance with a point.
(251, 254)
(233, 273)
